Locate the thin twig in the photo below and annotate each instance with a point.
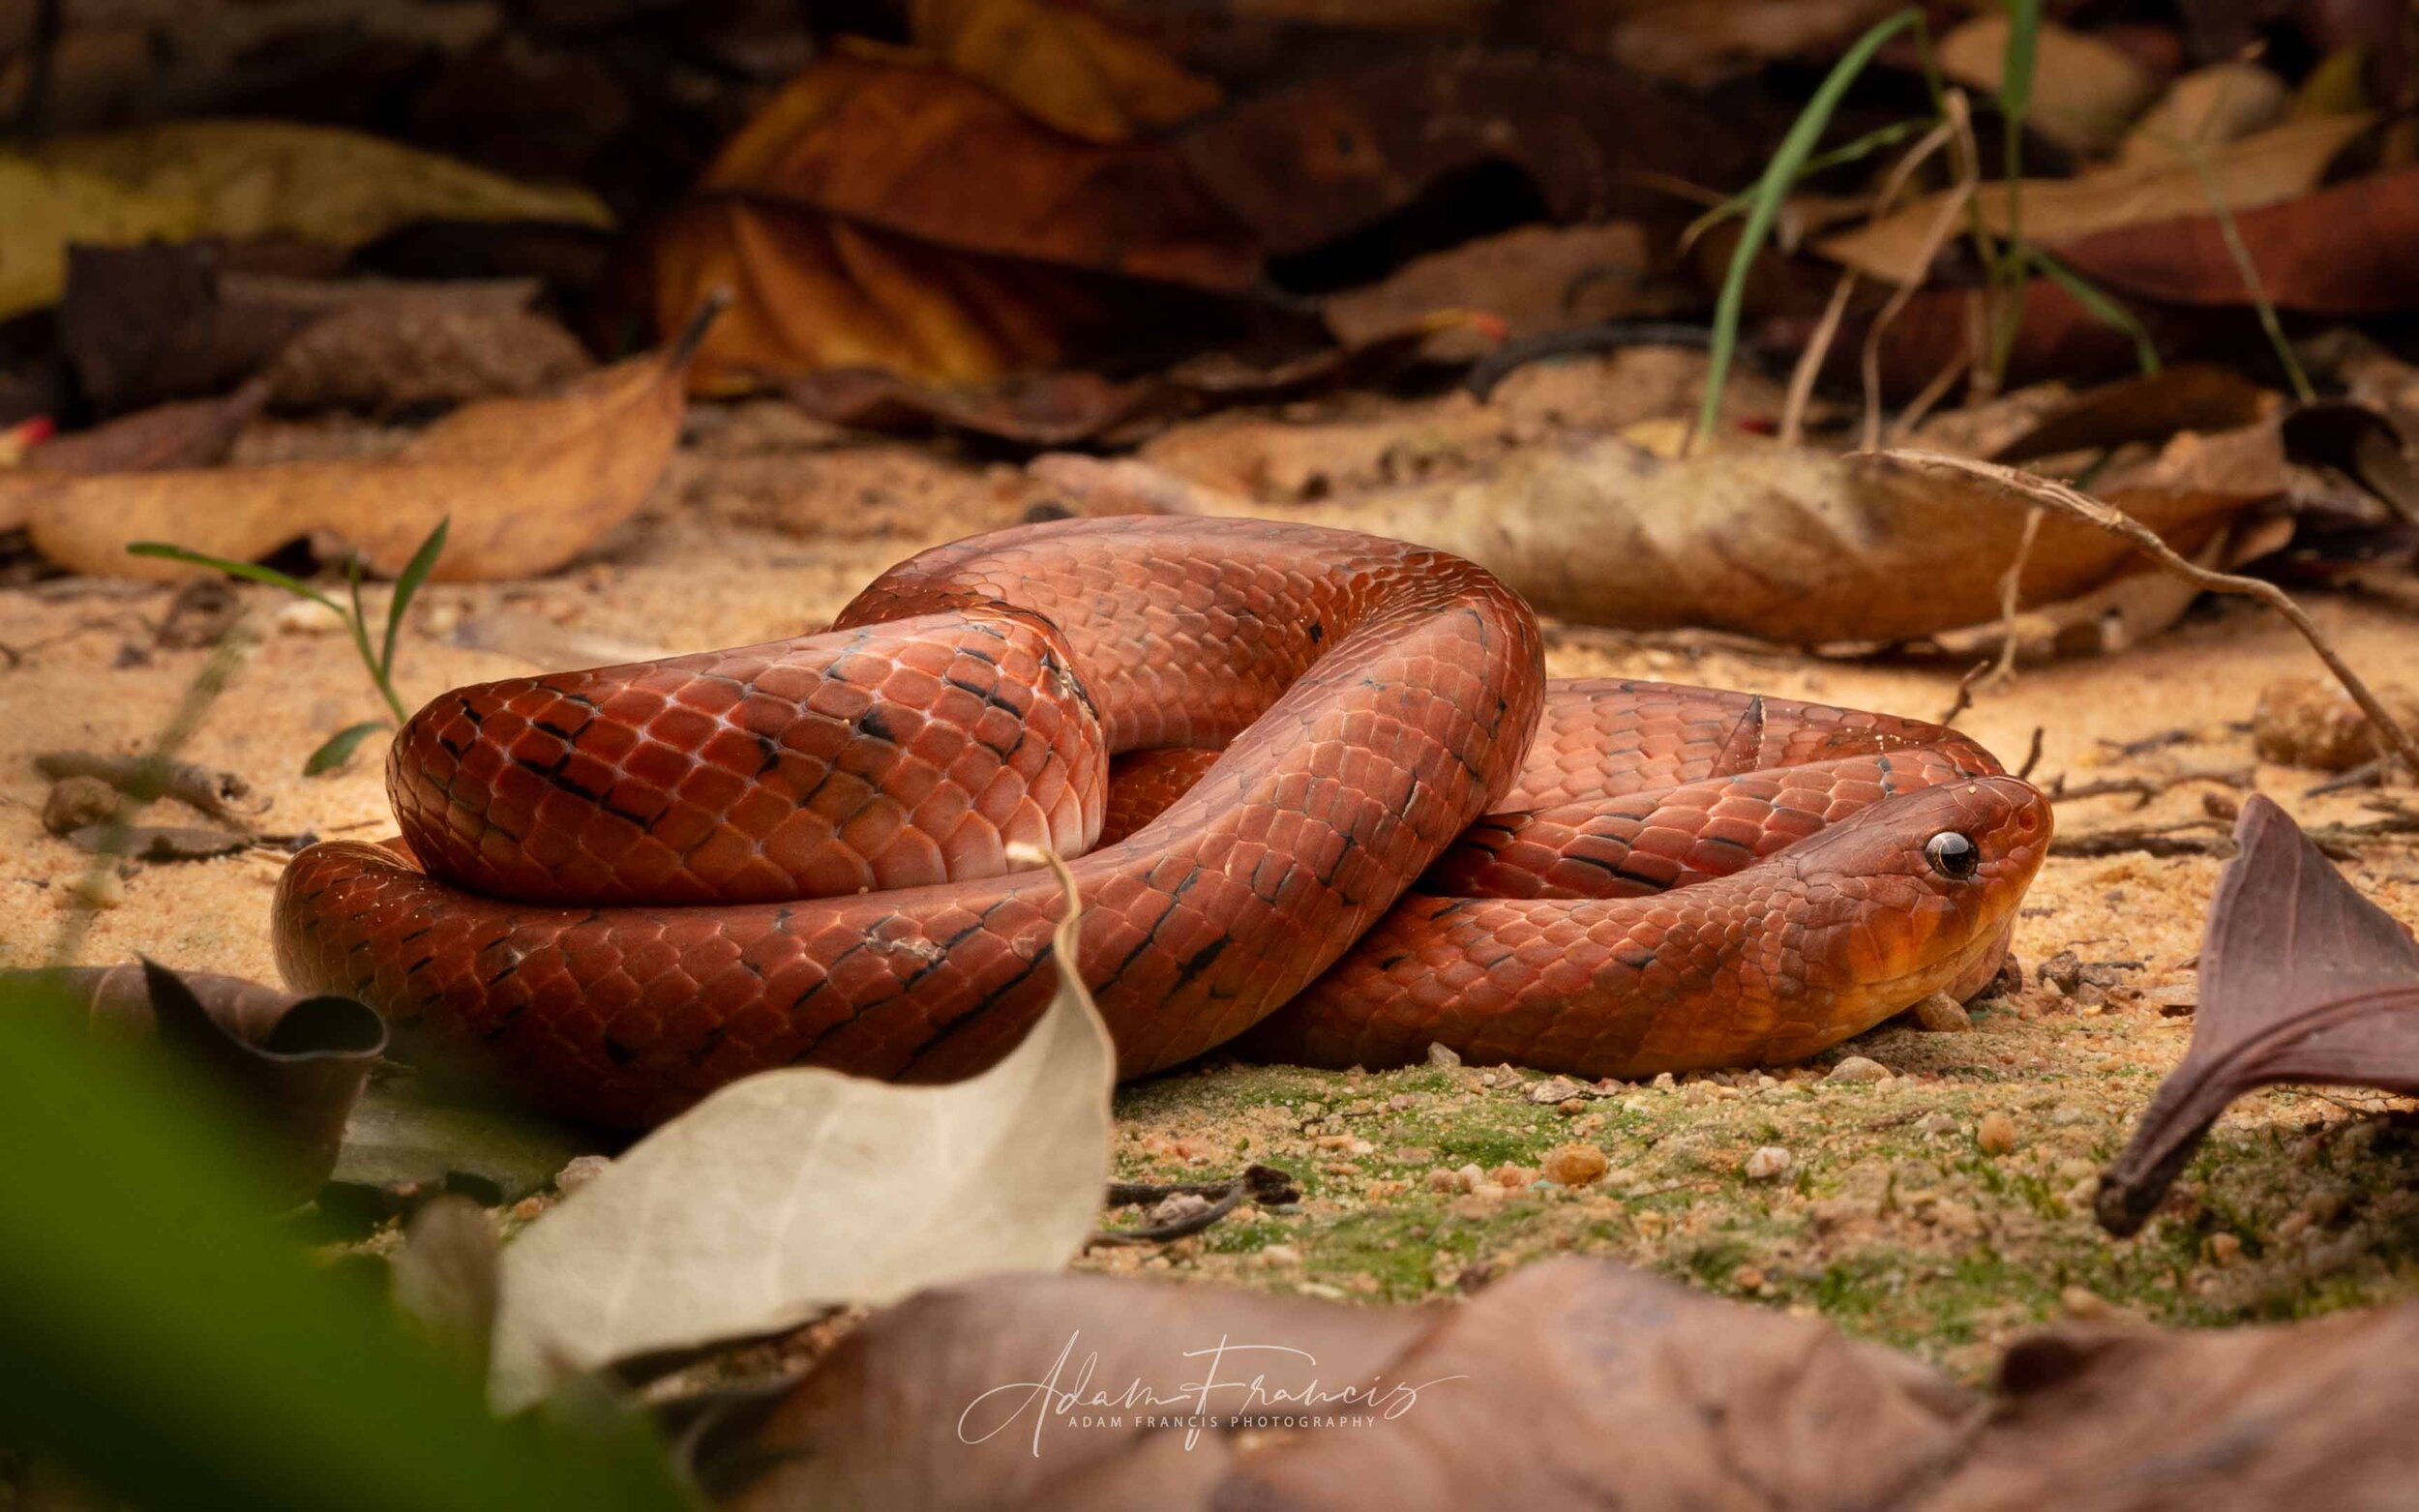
(2009, 582)
(2115, 522)
(1959, 128)
(2032, 756)
(222, 795)
(1965, 700)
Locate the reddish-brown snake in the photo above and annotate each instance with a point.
(1349, 815)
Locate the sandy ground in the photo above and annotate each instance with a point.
(1891, 1218)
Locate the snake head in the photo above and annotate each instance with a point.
(1905, 898)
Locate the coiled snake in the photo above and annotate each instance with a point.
(1348, 816)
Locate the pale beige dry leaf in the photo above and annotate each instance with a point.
(1788, 544)
(2206, 108)
(791, 1191)
(2084, 90)
(1702, 42)
(2259, 170)
(527, 483)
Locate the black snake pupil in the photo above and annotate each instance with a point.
(1952, 855)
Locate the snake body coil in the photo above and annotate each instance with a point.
(629, 886)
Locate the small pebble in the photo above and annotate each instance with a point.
(2083, 1302)
(1443, 1055)
(582, 1169)
(306, 617)
(2224, 1248)
(1278, 1256)
(1942, 1014)
(1662, 1082)
(1177, 1210)
(1512, 1177)
(1859, 1068)
(1555, 1089)
(75, 802)
(1937, 1123)
(1470, 1177)
(1575, 1165)
(1995, 1134)
(1442, 1179)
(1770, 1163)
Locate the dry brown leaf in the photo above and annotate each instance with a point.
(822, 293)
(909, 1410)
(1537, 277)
(2260, 170)
(1060, 65)
(2125, 1419)
(880, 214)
(2084, 91)
(296, 1063)
(527, 483)
(1792, 545)
(2302, 979)
(1702, 42)
(2206, 108)
(2344, 250)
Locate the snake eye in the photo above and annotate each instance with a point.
(1953, 855)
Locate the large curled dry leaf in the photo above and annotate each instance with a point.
(885, 214)
(1788, 544)
(791, 1191)
(2302, 979)
(239, 179)
(297, 1063)
(2260, 170)
(528, 483)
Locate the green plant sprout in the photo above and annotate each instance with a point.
(2008, 260)
(339, 747)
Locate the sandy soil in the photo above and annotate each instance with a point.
(1891, 1217)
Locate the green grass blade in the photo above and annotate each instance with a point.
(1770, 190)
(1862, 147)
(339, 748)
(415, 573)
(2101, 304)
(243, 570)
(162, 1338)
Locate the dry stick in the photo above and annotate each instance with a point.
(2116, 522)
(2032, 758)
(1827, 330)
(1959, 128)
(2008, 583)
(1965, 700)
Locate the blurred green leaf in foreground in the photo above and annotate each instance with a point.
(163, 1337)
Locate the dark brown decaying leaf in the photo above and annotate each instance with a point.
(2344, 250)
(297, 1062)
(2314, 1414)
(190, 433)
(2302, 979)
(1305, 165)
(1589, 1384)
(2151, 407)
